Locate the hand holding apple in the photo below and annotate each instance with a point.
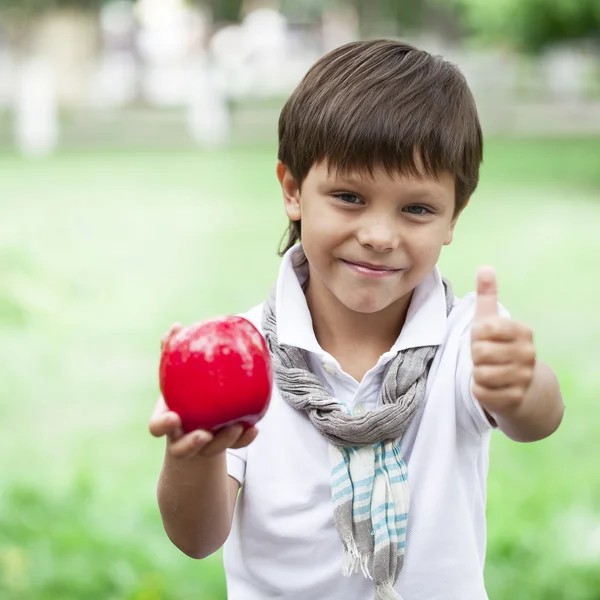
(198, 443)
(216, 373)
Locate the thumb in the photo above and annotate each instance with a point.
(487, 294)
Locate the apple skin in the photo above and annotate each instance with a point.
(216, 373)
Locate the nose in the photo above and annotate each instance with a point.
(379, 234)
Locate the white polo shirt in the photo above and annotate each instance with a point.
(284, 544)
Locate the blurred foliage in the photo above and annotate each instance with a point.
(36, 6)
(407, 12)
(53, 547)
(222, 10)
(530, 25)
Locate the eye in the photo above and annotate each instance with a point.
(348, 198)
(418, 210)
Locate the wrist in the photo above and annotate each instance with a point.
(194, 466)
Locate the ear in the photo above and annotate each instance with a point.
(450, 232)
(291, 192)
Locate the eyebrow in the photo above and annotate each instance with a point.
(427, 193)
(340, 178)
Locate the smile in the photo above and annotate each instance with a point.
(371, 270)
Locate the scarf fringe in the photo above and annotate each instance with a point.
(386, 591)
(350, 558)
(364, 565)
(353, 561)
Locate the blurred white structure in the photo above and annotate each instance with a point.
(171, 35)
(209, 120)
(339, 26)
(567, 71)
(115, 81)
(256, 58)
(36, 111)
(68, 40)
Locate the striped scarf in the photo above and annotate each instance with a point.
(369, 485)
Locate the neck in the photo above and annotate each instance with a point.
(340, 330)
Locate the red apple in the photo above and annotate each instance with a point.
(216, 373)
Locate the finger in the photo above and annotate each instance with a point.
(498, 400)
(497, 377)
(484, 351)
(172, 331)
(190, 444)
(246, 438)
(176, 434)
(495, 328)
(164, 424)
(224, 439)
(159, 408)
(487, 294)
(163, 418)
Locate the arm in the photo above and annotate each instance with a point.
(196, 500)
(196, 496)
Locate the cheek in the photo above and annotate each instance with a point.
(322, 227)
(426, 245)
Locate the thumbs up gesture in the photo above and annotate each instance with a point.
(502, 350)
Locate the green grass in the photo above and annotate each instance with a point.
(100, 252)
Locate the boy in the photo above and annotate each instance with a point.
(373, 456)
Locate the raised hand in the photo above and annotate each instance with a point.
(503, 352)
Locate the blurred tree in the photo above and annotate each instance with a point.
(530, 25)
(406, 14)
(223, 10)
(33, 6)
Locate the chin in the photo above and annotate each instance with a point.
(365, 305)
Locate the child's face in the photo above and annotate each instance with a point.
(397, 223)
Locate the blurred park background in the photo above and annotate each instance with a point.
(137, 188)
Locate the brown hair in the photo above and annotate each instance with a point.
(382, 104)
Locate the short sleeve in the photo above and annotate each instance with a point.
(236, 463)
(470, 413)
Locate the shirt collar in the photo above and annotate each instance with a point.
(426, 318)
(294, 321)
(425, 323)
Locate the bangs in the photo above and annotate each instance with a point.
(363, 150)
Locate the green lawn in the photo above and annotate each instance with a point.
(100, 252)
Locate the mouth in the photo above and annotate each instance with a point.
(371, 270)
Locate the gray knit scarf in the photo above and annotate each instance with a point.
(370, 493)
